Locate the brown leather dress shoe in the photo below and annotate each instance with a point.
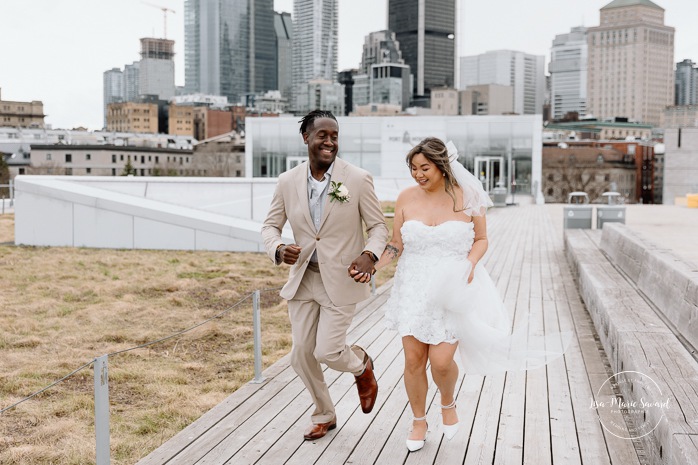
(368, 386)
(319, 430)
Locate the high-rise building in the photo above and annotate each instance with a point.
(229, 47)
(263, 64)
(113, 81)
(314, 43)
(525, 73)
(426, 31)
(284, 52)
(156, 70)
(383, 77)
(320, 93)
(568, 73)
(631, 62)
(380, 47)
(132, 81)
(686, 83)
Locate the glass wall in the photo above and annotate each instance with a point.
(379, 145)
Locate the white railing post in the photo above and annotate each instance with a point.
(257, 331)
(101, 375)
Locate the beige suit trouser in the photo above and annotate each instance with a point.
(319, 332)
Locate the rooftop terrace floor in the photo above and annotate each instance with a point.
(543, 416)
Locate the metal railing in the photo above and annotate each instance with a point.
(101, 373)
(7, 191)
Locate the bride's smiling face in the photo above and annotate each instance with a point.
(427, 175)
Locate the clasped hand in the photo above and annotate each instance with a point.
(361, 269)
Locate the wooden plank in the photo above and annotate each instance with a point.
(358, 424)
(592, 443)
(537, 426)
(563, 432)
(510, 434)
(292, 439)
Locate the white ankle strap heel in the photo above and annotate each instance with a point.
(450, 430)
(414, 445)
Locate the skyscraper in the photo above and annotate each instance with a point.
(314, 42)
(525, 73)
(284, 52)
(229, 47)
(631, 62)
(113, 81)
(132, 81)
(263, 64)
(568, 73)
(156, 70)
(686, 83)
(380, 47)
(426, 31)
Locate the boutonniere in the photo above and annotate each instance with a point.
(339, 192)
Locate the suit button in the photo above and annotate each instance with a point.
(317, 238)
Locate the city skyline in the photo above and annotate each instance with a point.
(73, 42)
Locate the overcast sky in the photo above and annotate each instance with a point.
(56, 50)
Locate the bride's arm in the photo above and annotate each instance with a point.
(394, 247)
(479, 243)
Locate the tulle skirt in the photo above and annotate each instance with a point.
(488, 342)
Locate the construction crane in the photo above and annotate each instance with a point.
(165, 10)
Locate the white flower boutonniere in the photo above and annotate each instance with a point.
(339, 192)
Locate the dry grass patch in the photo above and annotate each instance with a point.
(62, 307)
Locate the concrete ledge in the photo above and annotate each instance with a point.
(669, 281)
(53, 212)
(636, 339)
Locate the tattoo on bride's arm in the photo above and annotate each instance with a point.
(392, 251)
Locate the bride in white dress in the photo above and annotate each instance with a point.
(442, 299)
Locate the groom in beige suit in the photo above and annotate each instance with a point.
(327, 201)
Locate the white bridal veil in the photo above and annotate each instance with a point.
(488, 340)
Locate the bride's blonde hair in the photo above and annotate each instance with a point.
(436, 152)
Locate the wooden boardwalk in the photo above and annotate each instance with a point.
(539, 417)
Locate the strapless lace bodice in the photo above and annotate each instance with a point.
(448, 239)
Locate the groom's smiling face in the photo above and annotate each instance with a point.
(323, 142)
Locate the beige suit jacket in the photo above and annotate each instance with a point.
(340, 238)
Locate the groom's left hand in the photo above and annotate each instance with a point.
(361, 268)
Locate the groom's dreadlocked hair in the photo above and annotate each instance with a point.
(308, 119)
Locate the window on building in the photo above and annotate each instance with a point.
(157, 159)
(88, 170)
(48, 157)
(238, 173)
(69, 171)
(121, 157)
(68, 157)
(88, 156)
(113, 158)
(142, 158)
(113, 171)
